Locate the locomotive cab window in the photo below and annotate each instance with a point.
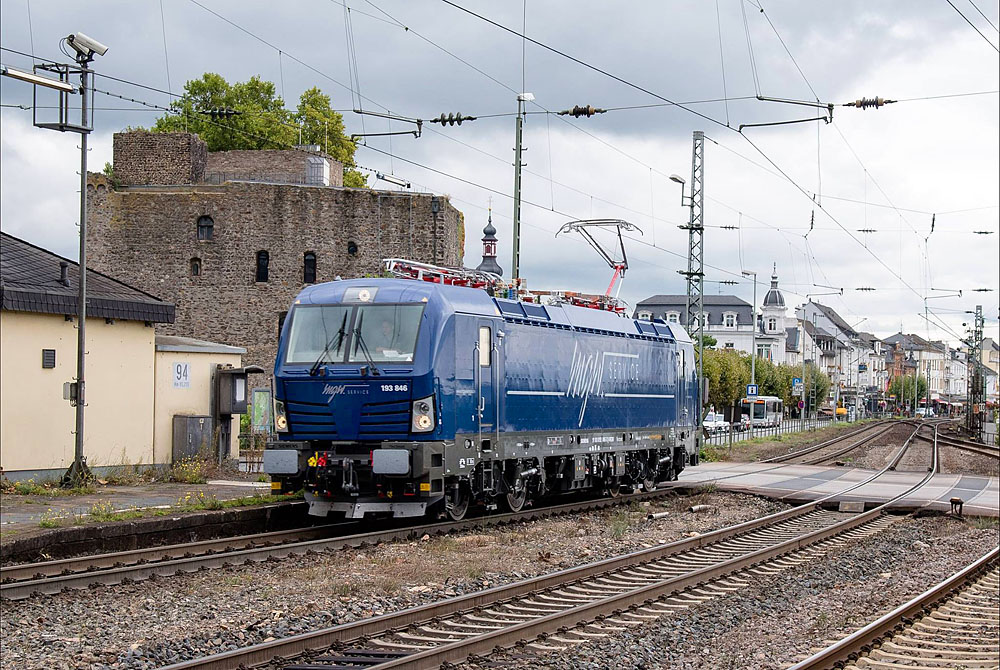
(485, 346)
(385, 333)
(315, 334)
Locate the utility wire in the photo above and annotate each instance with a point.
(995, 48)
(976, 7)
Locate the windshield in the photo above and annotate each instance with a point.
(388, 331)
(315, 327)
(758, 410)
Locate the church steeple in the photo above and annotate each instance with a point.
(489, 263)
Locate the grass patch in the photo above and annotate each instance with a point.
(29, 487)
(618, 524)
(984, 523)
(104, 512)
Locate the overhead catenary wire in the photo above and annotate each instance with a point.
(973, 25)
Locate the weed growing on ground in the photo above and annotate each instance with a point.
(984, 523)
(189, 471)
(29, 487)
(618, 524)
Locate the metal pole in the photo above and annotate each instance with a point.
(78, 471)
(802, 348)
(516, 261)
(753, 344)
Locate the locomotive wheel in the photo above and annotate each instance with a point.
(515, 499)
(458, 504)
(648, 481)
(614, 487)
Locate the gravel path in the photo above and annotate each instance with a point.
(148, 624)
(785, 617)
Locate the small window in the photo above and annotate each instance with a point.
(485, 346)
(195, 267)
(730, 320)
(206, 227)
(48, 358)
(729, 345)
(352, 248)
(673, 317)
(309, 268)
(263, 260)
(772, 323)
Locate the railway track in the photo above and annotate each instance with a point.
(955, 624)
(965, 445)
(21, 581)
(553, 611)
(853, 440)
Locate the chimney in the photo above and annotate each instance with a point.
(64, 273)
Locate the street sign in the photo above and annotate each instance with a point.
(751, 390)
(801, 404)
(798, 388)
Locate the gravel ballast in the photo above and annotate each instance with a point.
(152, 623)
(782, 618)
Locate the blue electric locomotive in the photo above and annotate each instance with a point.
(400, 397)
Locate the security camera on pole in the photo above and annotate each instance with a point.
(85, 48)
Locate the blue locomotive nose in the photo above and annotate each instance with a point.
(356, 409)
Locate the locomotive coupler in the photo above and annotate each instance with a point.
(349, 481)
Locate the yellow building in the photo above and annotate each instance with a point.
(126, 417)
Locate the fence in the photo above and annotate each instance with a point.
(730, 436)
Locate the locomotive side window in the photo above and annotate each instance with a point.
(485, 346)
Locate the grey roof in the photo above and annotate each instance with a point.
(715, 307)
(816, 331)
(29, 282)
(909, 342)
(836, 319)
(193, 346)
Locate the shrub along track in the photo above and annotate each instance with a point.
(555, 610)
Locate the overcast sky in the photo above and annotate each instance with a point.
(887, 170)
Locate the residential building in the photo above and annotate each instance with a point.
(729, 320)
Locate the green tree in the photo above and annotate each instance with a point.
(262, 121)
(707, 341)
(902, 388)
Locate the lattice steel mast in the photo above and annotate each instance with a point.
(976, 406)
(695, 273)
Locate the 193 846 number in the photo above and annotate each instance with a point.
(395, 387)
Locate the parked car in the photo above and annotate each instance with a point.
(715, 423)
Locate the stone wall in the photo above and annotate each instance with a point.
(147, 238)
(291, 163)
(143, 158)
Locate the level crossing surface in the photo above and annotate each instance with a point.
(803, 483)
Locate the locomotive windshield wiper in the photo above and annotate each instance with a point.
(364, 347)
(339, 336)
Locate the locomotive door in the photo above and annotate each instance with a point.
(486, 381)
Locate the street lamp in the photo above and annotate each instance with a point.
(753, 321)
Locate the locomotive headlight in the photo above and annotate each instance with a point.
(280, 420)
(422, 415)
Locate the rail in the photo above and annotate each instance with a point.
(574, 601)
